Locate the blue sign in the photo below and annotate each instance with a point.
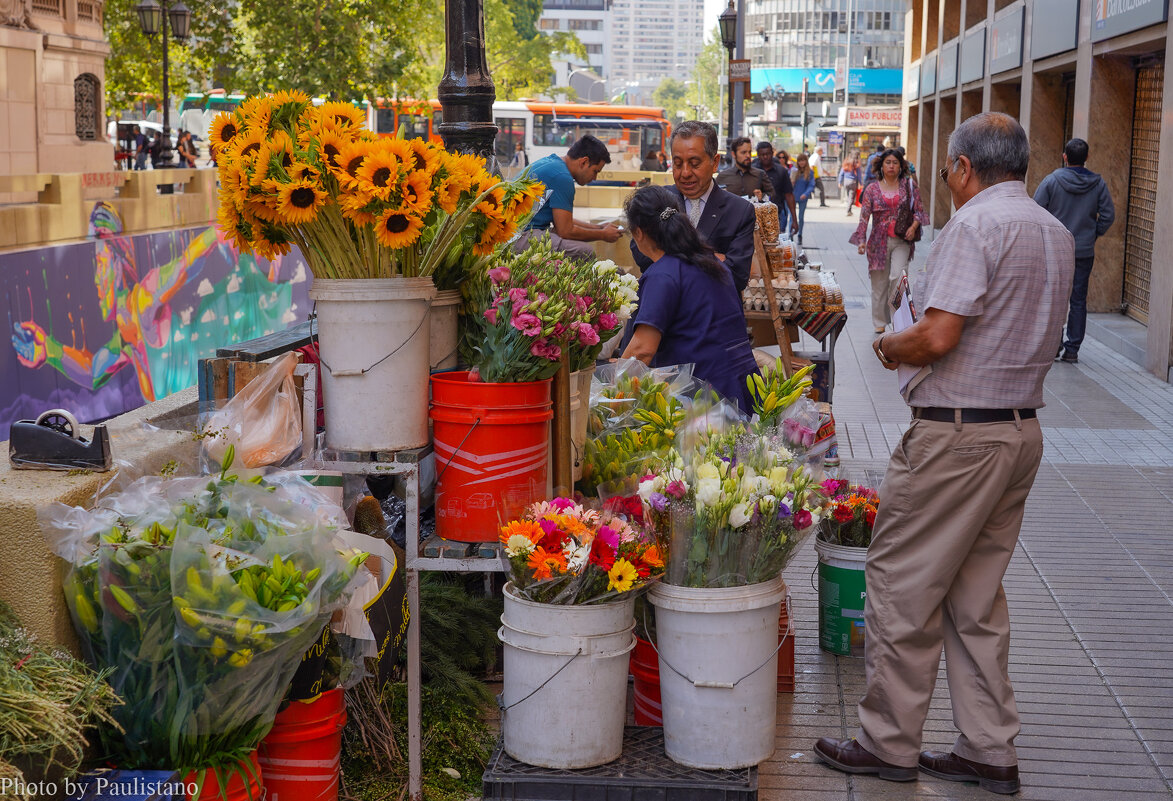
(835, 137)
(861, 81)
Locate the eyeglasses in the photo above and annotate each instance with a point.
(944, 173)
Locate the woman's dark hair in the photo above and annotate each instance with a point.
(656, 211)
(878, 163)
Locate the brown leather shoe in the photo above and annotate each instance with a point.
(949, 766)
(851, 757)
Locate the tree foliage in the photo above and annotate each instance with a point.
(672, 95)
(342, 49)
(704, 95)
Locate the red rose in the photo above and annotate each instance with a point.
(869, 516)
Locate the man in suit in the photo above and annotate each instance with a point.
(724, 221)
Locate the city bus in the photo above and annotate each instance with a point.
(542, 127)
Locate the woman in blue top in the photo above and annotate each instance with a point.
(689, 311)
(803, 178)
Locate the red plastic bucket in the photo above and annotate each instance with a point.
(645, 667)
(491, 452)
(243, 785)
(301, 755)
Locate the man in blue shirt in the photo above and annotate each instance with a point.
(555, 215)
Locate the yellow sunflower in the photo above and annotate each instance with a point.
(299, 201)
(448, 195)
(355, 207)
(330, 145)
(283, 97)
(350, 160)
(398, 229)
(235, 228)
(301, 171)
(263, 209)
(234, 185)
(271, 242)
(247, 145)
(224, 129)
(379, 173)
(621, 576)
(425, 156)
(345, 114)
(417, 192)
(257, 112)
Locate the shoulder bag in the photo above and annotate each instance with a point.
(905, 218)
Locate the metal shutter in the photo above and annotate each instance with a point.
(1142, 188)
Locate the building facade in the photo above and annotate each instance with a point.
(590, 21)
(1092, 69)
(52, 72)
(847, 50)
(652, 40)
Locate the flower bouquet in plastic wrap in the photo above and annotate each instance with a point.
(199, 597)
(850, 514)
(560, 553)
(730, 508)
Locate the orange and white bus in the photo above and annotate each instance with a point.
(630, 132)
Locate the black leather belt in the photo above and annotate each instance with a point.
(942, 415)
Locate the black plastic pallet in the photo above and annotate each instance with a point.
(643, 773)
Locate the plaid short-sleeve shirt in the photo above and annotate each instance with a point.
(1006, 264)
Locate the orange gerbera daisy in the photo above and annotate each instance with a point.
(651, 557)
(526, 528)
(545, 564)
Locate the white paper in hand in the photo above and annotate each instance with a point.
(903, 316)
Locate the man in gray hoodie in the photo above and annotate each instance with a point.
(1079, 199)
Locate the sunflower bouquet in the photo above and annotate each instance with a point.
(357, 205)
(557, 552)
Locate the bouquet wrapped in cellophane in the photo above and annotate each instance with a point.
(560, 553)
(850, 514)
(200, 595)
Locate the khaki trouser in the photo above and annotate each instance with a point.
(571, 247)
(884, 283)
(951, 507)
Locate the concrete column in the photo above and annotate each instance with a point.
(925, 159)
(1112, 87)
(946, 122)
(1159, 350)
(1048, 100)
(1027, 85)
(940, 116)
(1081, 117)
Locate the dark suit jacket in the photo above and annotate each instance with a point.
(727, 224)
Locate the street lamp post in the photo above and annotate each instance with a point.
(466, 90)
(727, 23)
(173, 18)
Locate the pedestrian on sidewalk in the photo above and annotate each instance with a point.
(849, 180)
(804, 188)
(1079, 199)
(816, 162)
(955, 491)
(888, 254)
(780, 178)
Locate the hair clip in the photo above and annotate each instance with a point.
(667, 212)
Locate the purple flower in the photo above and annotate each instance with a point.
(783, 511)
(499, 275)
(658, 501)
(527, 324)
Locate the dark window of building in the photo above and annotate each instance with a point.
(585, 24)
(85, 106)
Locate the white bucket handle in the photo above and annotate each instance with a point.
(584, 644)
(576, 655)
(352, 372)
(715, 685)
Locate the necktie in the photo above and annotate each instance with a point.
(694, 211)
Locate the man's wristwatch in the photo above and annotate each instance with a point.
(880, 350)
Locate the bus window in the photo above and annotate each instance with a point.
(545, 132)
(413, 126)
(385, 120)
(437, 121)
(510, 133)
(653, 139)
(222, 104)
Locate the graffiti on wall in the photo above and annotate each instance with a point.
(105, 326)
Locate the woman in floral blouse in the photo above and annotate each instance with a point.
(888, 255)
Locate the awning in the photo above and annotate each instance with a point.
(862, 129)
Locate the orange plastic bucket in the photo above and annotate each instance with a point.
(243, 785)
(301, 755)
(491, 452)
(645, 667)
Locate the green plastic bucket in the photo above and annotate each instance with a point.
(841, 598)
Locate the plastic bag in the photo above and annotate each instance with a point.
(263, 420)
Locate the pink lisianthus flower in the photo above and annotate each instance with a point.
(608, 321)
(587, 335)
(562, 504)
(580, 303)
(499, 275)
(491, 315)
(676, 489)
(802, 519)
(518, 296)
(609, 536)
(544, 349)
(527, 324)
(559, 330)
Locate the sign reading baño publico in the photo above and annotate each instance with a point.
(874, 117)
(1114, 17)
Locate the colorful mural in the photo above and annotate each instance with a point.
(102, 327)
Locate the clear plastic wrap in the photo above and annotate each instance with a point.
(262, 422)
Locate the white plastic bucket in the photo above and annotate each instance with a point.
(580, 409)
(565, 687)
(842, 593)
(719, 672)
(445, 336)
(373, 339)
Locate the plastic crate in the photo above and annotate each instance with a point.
(643, 773)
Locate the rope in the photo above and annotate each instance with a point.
(505, 709)
(364, 371)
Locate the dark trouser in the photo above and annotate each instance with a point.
(1077, 313)
(821, 191)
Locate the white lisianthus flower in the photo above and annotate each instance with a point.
(674, 474)
(518, 545)
(708, 470)
(650, 485)
(606, 266)
(739, 515)
(708, 491)
(767, 505)
(576, 558)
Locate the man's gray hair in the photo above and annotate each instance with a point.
(996, 146)
(690, 129)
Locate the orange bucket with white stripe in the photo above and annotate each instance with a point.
(491, 452)
(301, 756)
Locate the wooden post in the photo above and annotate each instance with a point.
(562, 447)
(780, 329)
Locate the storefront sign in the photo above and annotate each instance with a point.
(1006, 42)
(947, 70)
(822, 81)
(1114, 17)
(835, 138)
(1054, 27)
(873, 117)
(739, 70)
(973, 57)
(912, 82)
(928, 75)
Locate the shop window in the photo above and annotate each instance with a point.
(85, 106)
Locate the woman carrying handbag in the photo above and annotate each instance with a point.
(892, 203)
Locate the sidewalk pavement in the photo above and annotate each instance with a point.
(1089, 587)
